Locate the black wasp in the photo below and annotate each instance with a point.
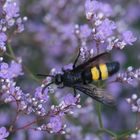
(82, 75)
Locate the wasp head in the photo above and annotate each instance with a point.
(58, 79)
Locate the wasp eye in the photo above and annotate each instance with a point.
(58, 79)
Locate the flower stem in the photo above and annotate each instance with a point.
(108, 132)
(12, 56)
(98, 107)
(11, 50)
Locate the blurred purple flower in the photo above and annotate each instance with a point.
(85, 31)
(105, 29)
(4, 118)
(67, 31)
(3, 133)
(10, 71)
(55, 123)
(4, 70)
(91, 137)
(128, 37)
(69, 99)
(35, 135)
(90, 7)
(42, 96)
(95, 7)
(3, 38)
(15, 69)
(11, 9)
(132, 13)
(115, 89)
(120, 57)
(106, 9)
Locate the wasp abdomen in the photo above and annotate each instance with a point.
(113, 67)
(103, 71)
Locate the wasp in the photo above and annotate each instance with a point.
(80, 78)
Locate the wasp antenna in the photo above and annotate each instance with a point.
(45, 75)
(46, 87)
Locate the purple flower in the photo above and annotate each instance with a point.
(11, 71)
(55, 124)
(105, 29)
(4, 70)
(67, 31)
(90, 7)
(3, 38)
(106, 9)
(42, 96)
(85, 31)
(35, 135)
(69, 99)
(3, 133)
(128, 37)
(11, 9)
(15, 69)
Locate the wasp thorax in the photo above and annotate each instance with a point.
(58, 79)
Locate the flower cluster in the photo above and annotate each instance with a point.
(57, 113)
(130, 76)
(10, 71)
(134, 101)
(9, 18)
(3, 133)
(104, 30)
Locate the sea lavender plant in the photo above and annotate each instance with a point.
(59, 34)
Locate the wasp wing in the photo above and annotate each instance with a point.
(98, 94)
(89, 62)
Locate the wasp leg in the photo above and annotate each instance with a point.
(74, 64)
(43, 89)
(62, 86)
(75, 92)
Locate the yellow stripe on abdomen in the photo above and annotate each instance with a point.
(95, 73)
(104, 71)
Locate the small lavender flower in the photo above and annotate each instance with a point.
(11, 9)
(97, 8)
(55, 124)
(3, 133)
(128, 37)
(69, 99)
(134, 102)
(105, 29)
(130, 76)
(3, 70)
(89, 8)
(85, 31)
(41, 96)
(10, 17)
(15, 69)
(3, 39)
(10, 71)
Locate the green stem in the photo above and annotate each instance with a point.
(99, 114)
(108, 132)
(31, 74)
(12, 56)
(127, 133)
(11, 50)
